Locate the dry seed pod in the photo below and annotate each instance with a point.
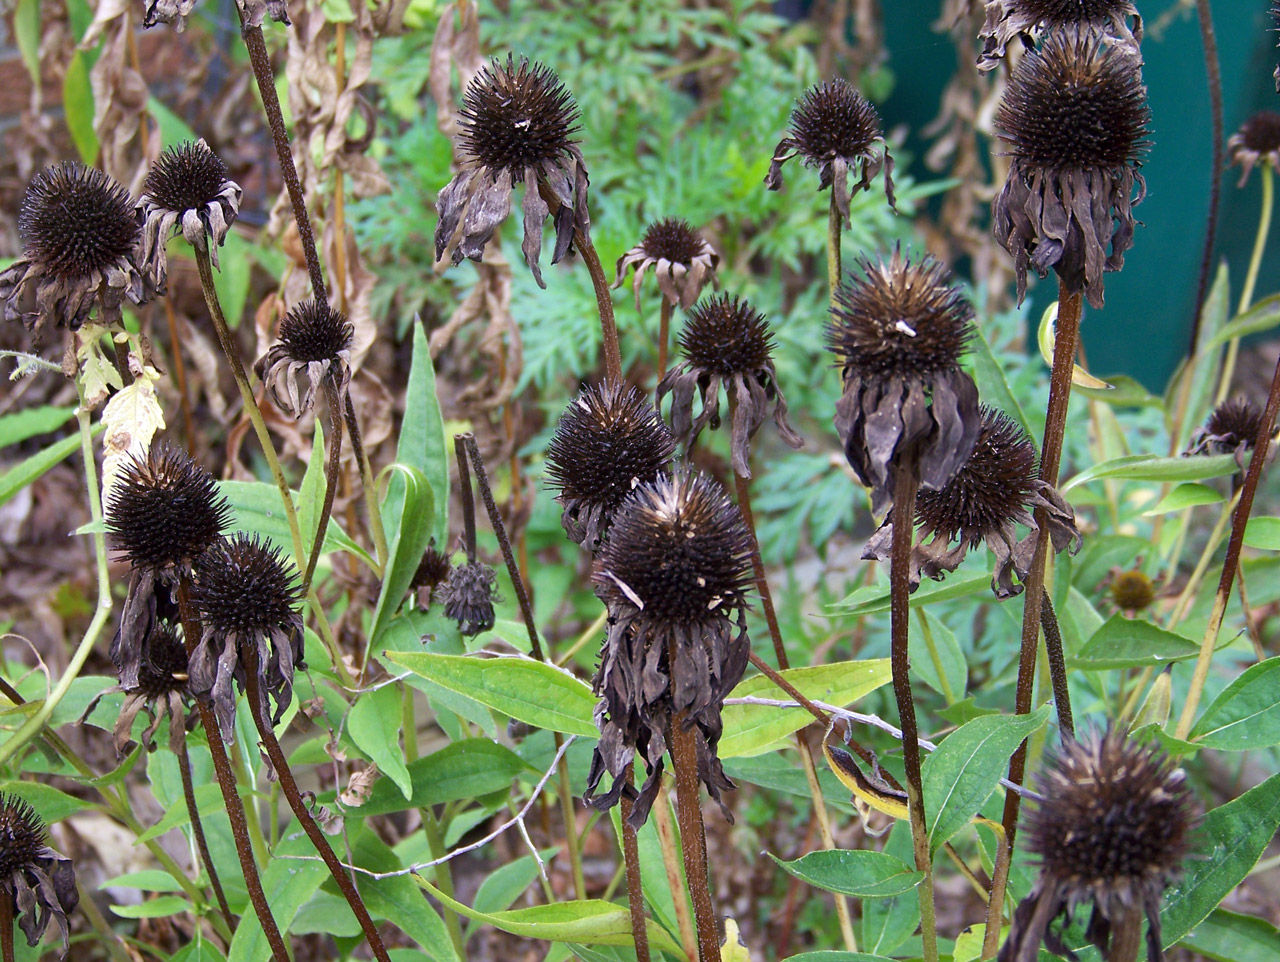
(315, 343)
(682, 261)
(1029, 20)
(1256, 142)
(38, 882)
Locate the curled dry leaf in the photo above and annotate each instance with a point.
(359, 788)
(131, 418)
(456, 45)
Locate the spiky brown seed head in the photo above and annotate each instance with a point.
(1234, 423)
(22, 835)
(1057, 13)
(1132, 590)
(991, 490)
(609, 439)
(432, 570)
(674, 240)
(164, 669)
(833, 120)
(165, 509)
(899, 319)
(1075, 104)
(727, 336)
(469, 594)
(314, 331)
(515, 116)
(186, 177)
(76, 220)
(1261, 133)
(1116, 818)
(678, 550)
(244, 586)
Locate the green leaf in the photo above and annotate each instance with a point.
(1185, 496)
(208, 800)
(77, 106)
(960, 776)
(374, 724)
(49, 803)
(875, 598)
(1150, 467)
(1263, 533)
(154, 908)
(408, 540)
(20, 475)
(422, 443)
(399, 901)
(857, 873)
(589, 921)
(1262, 316)
(149, 880)
(1229, 937)
(32, 422)
(461, 770)
(231, 280)
(26, 30)
(289, 884)
(752, 729)
(1203, 365)
(337, 11)
(199, 950)
(1230, 838)
(832, 955)
(526, 690)
(258, 510)
(1133, 643)
(992, 384)
(943, 667)
(1247, 713)
(1124, 392)
(504, 885)
(311, 490)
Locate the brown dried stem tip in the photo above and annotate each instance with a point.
(898, 333)
(186, 190)
(997, 489)
(682, 260)
(675, 571)
(1256, 142)
(315, 343)
(1111, 832)
(516, 127)
(835, 129)
(80, 250)
(38, 882)
(609, 441)
(246, 596)
(726, 342)
(1029, 20)
(1074, 117)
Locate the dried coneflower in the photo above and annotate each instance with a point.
(1131, 591)
(726, 342)
(246, 595)
(835, 129)
(682, 261)
(1111, 832)
(39, 883)
(516, 127)
(163, 513)
(1074, 117)
(609, 441)
(187, 189)
(469, 594)
(995, 490)
(1231, 428)
(898, 333)
(80, 251)
(431, 572)
(315, 343)
(1256, 142)
(161, 690)
(175, 12)
(674, 575)
(1029, 20)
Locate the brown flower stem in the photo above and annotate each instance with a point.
(771, 673)
(526, 612)
(227, 782)
(1057, 666)
(266, 80)
(6, 927)
(179, 372)
(1064, 353)
(904, 508)
(604, 303)
(468, 498)
(664, 335)
(257, 707)
(1213, 74)
(205, 267)
(1238, 521)
(684, 759)
(833, 249)
(197, 828)
(675, 881)
(330, 476)
(635, 887)
(366, 482)
(1250, 278)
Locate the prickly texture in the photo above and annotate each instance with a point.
(315, 343)
(1029, 20)
(38, 882)
(1256, 142)
(681, 259)
(469, 595)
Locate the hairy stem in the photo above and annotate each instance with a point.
(1213, 74)
(6, 927)
(604, 303)
(664, 335)
(833, 249)
(1057, 666)
(330, 475)
(197, 827)
(635, 887)
(675, 881)
(1251, 278)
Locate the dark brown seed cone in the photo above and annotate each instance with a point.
(469, 595)
(164, 510)
(432, 570)
(38, 882)
(313, 331)
(164, 667)
(1029, 20)
(1075, 117)
(672, 240)
(1256, 142)
(159, 685)
(1132, 591)
(682, 261)
(726, 335)
(1111, 832)
(315, 343)
(185, 177)
(1231, 428)
(609, 440)
(22, 835)
(76, 221)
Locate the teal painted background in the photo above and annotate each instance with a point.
(1143, 329)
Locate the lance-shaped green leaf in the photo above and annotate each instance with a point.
(1247, 713)
(408, 539)
(1133, 643)
(859, 874)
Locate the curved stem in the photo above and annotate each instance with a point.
(205, 267)
(604, 303)
(257, 707)
(366, 482)
(1213, 74)
(1251, 278)
(197, 827)
(330, 475)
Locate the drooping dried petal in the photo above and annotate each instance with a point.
(38, 882)
(315, 343)
(469, 595)
(681, 259)
(1256, 142)
(1029, 20)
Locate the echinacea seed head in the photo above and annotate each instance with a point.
(314, 331)
(727, 335)
(469, 594)
(186, 177)
(243, 586)
(1132, 590)
(164, 669)
(673, 240)
(22, 835)
(833, 120)
(76, 221)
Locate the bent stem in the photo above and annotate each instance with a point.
(205, 267)
(635, 887)
(1229, 565)
(257, 707)
(330, 475)
(904, 509)
(1251, 278)
(604, 303)
(197, 826)
(1064, 353)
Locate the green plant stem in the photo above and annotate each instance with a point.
(114, 943)
(205, 268)
(197, 827)
(833, 249)
(631, 862)
(604, 303)
(102, 612)
(1064, 353)
(330, 475)
(257, 707)
(367, 482)
(227, 783)
(904, 509)
(253, 819)
(1238, 521)
(664, 335)
(444, 878)
(1187, 595)
(1251, 278)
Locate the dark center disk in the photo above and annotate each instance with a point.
(186, 177)
(727, 335)
(834, 120)
(165, 661)
(314, 331)
(1261, 132)
(243, 586)
(673, 240)
(75, 220)
(517, 116)
(21, 835)
(1060, 12)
